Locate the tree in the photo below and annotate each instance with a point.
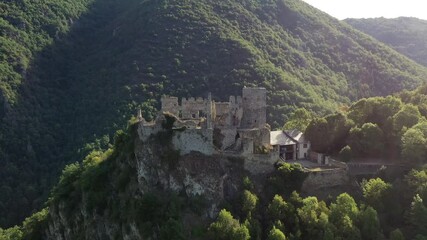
(276, 234)
(375, 110)
(249, 202)
(328, 135)
(228, 228)
(343, 215)
(414, 146)
(345, 154)
(314, 218)
(418, 215)
(13, 233)
(299, 119)
(367, 141)
(375, 190)
(407, 117)
(278, 208)
(370, 225)
(316, 132)
(396, 235)
(417, 181)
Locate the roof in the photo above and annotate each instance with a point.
(287, 137)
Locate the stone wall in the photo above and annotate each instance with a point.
(170, 104)
(194, 108)
(261, 163)
(229, 137)
(194, 140)
(325, 179)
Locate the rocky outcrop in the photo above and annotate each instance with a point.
(152, 167)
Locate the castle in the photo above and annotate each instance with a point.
(235, 127)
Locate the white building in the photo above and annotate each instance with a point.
(290, 144)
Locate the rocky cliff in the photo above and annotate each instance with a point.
(128, 191)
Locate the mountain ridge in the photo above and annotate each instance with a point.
(404, 34)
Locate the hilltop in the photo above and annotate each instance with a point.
(114, 57)
(404, 34)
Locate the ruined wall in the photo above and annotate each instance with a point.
(197, 140)
(254, 107)
(229, 137)
(261, 163)
(194, 108)
(325, 179)
(236, 111)
(261, 136)
(222, 110)
(170, 104)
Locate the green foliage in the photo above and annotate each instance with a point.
(314, 218)
(247, 183)
(249, 202)
(13, 233)
(343, 216)
(35, 225)
(414, 146)
(370, 225)
(375, 110)
(404, 34)
(396, 235)
(418, 215)
(381, 127)
(276, 234)
(327, 135)
(172, 229)
(278, 208)
(407, 117)
(367, 141)
(299, 120)
(345, 154)
(286, 179)
(417, 182)
(228, 228)
(375, 191)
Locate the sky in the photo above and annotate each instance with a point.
(342, 9)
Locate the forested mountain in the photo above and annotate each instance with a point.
(66, 90)
(404, 34)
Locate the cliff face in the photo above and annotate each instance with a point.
(117, 206)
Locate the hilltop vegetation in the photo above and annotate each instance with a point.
(79, 87)
(104, 189)
(405, 35)
(392, 127)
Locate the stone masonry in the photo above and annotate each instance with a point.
(236, 126)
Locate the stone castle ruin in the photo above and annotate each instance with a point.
(236, 127)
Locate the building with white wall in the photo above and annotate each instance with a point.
(290, 144)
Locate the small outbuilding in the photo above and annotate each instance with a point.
(290, 144)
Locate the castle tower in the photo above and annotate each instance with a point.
(170, 104)
(254, 107)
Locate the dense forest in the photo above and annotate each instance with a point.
(392, 127)
(388, 206)
(73, 72)
(404, 34)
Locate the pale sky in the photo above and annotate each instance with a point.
(342, 9)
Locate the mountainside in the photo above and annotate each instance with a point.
(80, 87)
(404, 34)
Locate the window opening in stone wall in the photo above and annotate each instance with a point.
(202, 114)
